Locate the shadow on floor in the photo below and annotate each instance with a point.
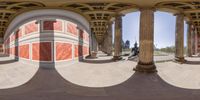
(97, 61)
(3, 55)
(47, 84)
(192, 62)
(8, 61)
(134, 58)
(103, 55)
(195, 56)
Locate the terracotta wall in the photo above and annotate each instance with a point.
(48, 40)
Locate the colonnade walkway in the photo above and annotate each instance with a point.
(98, 81)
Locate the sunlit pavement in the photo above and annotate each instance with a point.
(14, 73)
(99, 81)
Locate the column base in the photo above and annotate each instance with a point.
(117, 58)
(189, 55)
(92, 56)
(145, 68)
(109, 54)
(180, 60)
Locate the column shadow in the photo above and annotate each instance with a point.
(192, 62)
(97, 61)
(195, 57)
(4, 55)
(47, 84)
(8, 61)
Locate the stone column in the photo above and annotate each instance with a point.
(193, 40)
(179, 44)
(146, 40)
(109, 43)
(104, 43)
(189, 40)
(118, 38)
(196, 42)
(94, 44)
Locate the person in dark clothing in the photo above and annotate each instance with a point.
(134, 50)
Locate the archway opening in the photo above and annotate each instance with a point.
(164, 36)
(130, 32)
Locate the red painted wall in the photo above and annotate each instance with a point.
(53, 25)
(72, 28)
(24, 51)
(31, 27)
(42, 51)
(63, 51)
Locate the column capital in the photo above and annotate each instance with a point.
(190, 25)
(118, 15)
(179, 14)
(194, 28)
(118, 20)
(189, 22)
(110, 22)
(147, 8)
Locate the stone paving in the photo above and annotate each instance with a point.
(14, 73)
(99, 81)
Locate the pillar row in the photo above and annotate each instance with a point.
(118, 38)
(196, 41)
(107, 43)
(94, 46)
(189, 39)
(109, 46)
(146, 39)
(193, 40)
(179, 44)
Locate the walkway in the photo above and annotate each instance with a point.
(106, 81)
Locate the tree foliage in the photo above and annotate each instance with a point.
(170, 49)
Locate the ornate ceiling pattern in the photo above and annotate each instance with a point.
(99, 14)
(8, 9)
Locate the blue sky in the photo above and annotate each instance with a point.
(164, 29)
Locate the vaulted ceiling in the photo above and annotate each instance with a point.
(98, 12)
